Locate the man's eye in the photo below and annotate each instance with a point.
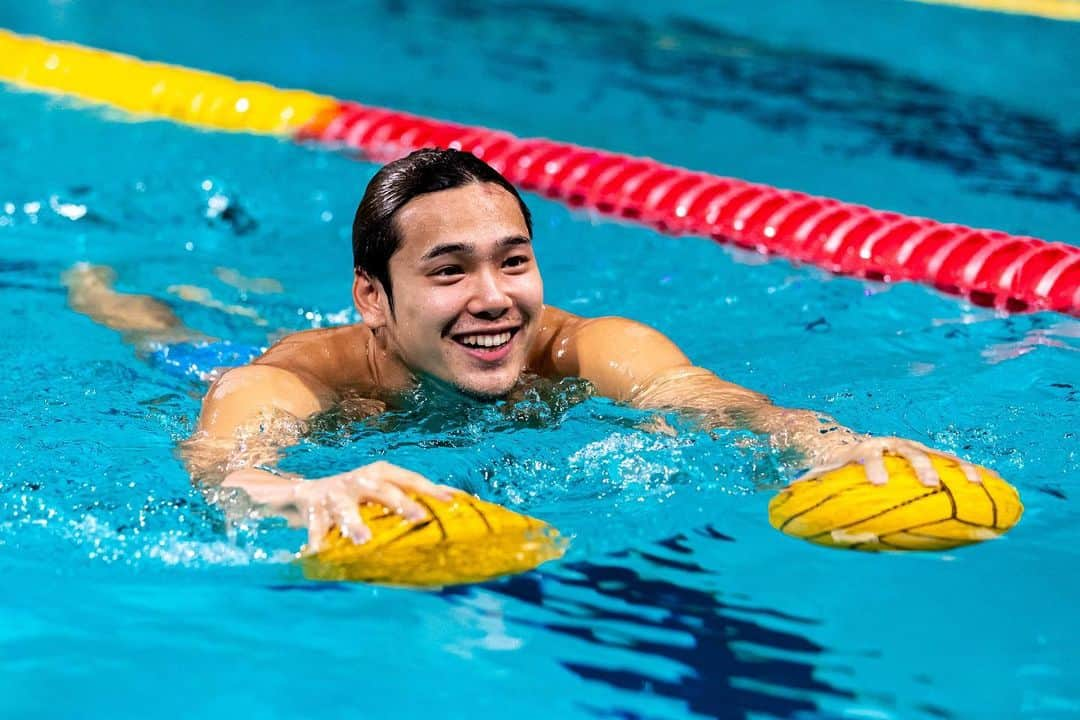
(516, 261)
(448, 271)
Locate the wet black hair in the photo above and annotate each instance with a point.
(375, 235)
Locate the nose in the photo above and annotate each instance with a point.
(489, 298)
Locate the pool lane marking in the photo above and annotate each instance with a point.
(1053, 9)
(1026, 273)
(157, 90)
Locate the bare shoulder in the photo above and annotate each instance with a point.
(323, 340)
(334, 357)
(614, 353)
(300, 375)
(546, 353)
(564, 337)
(559, 324)
(245, 395)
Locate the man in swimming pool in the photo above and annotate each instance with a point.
(449, 290)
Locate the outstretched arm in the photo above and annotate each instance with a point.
(254, 412)
(634, 363)
(248, 417)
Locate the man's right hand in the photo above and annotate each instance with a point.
(334, 501)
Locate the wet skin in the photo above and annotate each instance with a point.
(468, 311)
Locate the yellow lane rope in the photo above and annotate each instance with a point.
(1053, 9)
(156, 89)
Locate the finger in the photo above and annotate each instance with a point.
(934, 451)
(348, 520)
(390, 496)
(413, 481)
(875, 470)
(926, 448)
(924, 469)
(318, 524)
(971, 472)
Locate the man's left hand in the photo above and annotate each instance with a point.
(870, 452)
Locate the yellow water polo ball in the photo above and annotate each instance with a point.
(462, 541)
(843, 509)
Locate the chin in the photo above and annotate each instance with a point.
(488, 389)
(486, 393)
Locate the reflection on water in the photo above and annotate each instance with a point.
(1061, 335)
(640, 612)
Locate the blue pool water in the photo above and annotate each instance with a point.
(127, 595)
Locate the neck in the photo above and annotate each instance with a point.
(389, 373)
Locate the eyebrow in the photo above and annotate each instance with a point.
(469, 248)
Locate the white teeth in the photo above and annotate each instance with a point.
(486, 340)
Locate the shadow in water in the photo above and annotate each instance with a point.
(735, 665)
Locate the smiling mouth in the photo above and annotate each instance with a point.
(485, 344)
(485, 341)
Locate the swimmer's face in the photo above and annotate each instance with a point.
(467, 291)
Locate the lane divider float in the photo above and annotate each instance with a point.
(989, 267)
(1052, 9)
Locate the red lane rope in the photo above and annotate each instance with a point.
(990, 268)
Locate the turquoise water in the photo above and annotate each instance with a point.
(128, 595)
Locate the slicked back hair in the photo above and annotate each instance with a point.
(376, 236)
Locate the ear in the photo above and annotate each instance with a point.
(370, 299)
